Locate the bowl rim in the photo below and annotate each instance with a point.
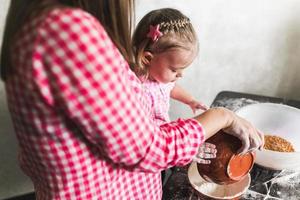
(252, 155)
(269, 104)
(193, 167)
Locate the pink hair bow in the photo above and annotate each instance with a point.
(154, 33)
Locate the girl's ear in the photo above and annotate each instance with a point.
(147, 57)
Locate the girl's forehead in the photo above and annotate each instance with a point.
(184, 51)
(172, 39)
(180, 56)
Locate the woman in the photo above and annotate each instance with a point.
(84, 127)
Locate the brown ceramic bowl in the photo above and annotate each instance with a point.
(227, 167)
(212, 191)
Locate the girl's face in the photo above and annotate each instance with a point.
(168, 66)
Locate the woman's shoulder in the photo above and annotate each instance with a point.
(62, 19)
(71, 16)
(71, 25)
(63, 12)
(58, 24)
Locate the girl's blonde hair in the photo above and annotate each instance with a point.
(176, 30)
(115, 15)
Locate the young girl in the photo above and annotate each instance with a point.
(165, 43)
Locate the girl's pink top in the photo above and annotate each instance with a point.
(83, 123)
(159, 94)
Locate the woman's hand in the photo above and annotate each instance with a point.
(205, 152)
(251, 137)
(219, 118)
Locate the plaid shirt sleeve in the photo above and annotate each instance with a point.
(83, 76)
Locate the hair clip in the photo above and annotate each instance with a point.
(154, 33)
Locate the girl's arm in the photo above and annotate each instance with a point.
(179, 94)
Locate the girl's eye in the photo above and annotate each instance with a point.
(173, 70)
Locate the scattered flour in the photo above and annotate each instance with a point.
(222, 191)
(212, 189)
(234, 104)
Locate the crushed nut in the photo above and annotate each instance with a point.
(276, 143)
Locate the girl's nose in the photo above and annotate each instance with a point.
(179, 75)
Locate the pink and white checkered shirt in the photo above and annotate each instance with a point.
(159, 94)
(83, 124)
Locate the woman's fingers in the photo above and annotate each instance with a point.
(262, 138)
(209, 145)
(201, 161)
(245, 143)
(205, 151)
(206, 155)
(256, 139)
(207, 148)
(250, 137)
(254, 142)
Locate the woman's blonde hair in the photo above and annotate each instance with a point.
(115, 15)
(176, 30)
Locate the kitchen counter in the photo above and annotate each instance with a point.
(265, 184)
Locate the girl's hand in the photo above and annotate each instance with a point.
(195, 105)
(205, 152)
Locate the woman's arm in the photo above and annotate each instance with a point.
(216, 119)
